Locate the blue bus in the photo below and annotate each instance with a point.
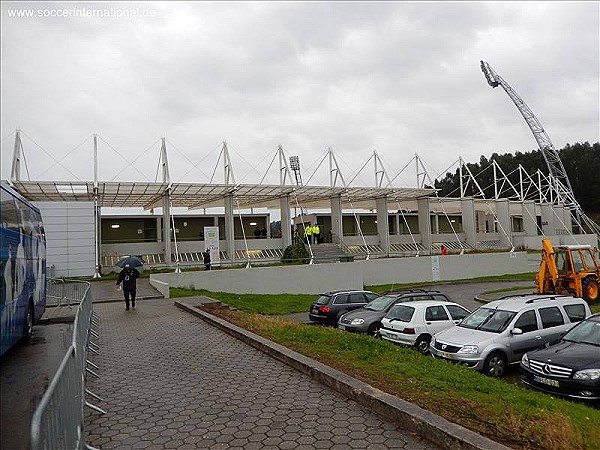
(22, 267)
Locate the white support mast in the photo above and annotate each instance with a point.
(15, 173)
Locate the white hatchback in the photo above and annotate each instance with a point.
(414, 323)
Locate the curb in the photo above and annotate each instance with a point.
(412, 417)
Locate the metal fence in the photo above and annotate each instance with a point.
(58, 420)
(61, 292)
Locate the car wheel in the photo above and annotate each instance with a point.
(590, 290)
(422, 344)
(374, 329)
(495, 365)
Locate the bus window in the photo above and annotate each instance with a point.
(10, 217)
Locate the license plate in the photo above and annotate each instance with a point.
(546, 381)
(315, 310)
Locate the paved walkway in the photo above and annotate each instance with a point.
(169, 380)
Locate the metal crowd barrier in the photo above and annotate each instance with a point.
(61, 292)
(58, 420)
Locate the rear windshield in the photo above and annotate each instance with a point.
(380, 303)
(402, 313)
(485, 319)
(323, 300)
(576, 313)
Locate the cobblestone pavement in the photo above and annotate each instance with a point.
(169, 380)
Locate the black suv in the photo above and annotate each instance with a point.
(368, 319)
(331, 305)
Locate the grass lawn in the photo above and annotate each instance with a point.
(508, 413)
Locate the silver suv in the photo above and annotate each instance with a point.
(499, 333)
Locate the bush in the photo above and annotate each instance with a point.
(295, 253)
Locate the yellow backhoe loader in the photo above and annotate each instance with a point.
(569, 270)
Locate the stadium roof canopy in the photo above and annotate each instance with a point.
(198, 195)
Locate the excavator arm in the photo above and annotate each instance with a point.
(547, 276)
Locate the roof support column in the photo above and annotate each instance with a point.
(547, 219)
(529, 218)
(229, 227)
(336, 217)
(159, 236)
(468, 220)
(424, 223)
(503, 217)
(559, 220)
(96, 213)
(382, 224)
(568, 220)
(286, 221)
(167, 226)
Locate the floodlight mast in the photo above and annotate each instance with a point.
(549, 153)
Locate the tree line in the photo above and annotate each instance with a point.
(581, 162)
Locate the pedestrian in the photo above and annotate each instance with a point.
(127, 276)
(308, 233)
(263, 233)
(206, 259)
(444, 250)
(257, 233)
(317, 233)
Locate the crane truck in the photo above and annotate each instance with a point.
(569, 270)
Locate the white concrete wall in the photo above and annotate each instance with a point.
(535, 243)
(69, 237)
(314, 279)
(396, 270)
(304, 279)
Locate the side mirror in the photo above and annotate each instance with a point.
(516, 331)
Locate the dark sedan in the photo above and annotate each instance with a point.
(569, 368)
(328, 308)
(368, 319)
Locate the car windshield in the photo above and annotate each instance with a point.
(402, 313)
(486, 319)
(586, 332)
(380, 303)
(323, 300)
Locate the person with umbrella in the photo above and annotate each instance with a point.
(127, 276)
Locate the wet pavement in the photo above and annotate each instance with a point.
(169, 380)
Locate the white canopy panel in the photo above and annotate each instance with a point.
(199, 195)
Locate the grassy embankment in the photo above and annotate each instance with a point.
(511, 414)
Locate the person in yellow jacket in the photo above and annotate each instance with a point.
(316, 231)
(308, 234)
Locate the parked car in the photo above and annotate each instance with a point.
(331, 305)
(368, 318)
(569, 368)
(414, 323)
(499, 333)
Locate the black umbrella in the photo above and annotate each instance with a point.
(133, 261)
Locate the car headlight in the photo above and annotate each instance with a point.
(470, 349)
(357, 321)
(525, 361)
(587, 374)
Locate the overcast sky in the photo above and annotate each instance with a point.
(398, 78)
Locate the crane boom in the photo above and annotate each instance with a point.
(550, 154)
